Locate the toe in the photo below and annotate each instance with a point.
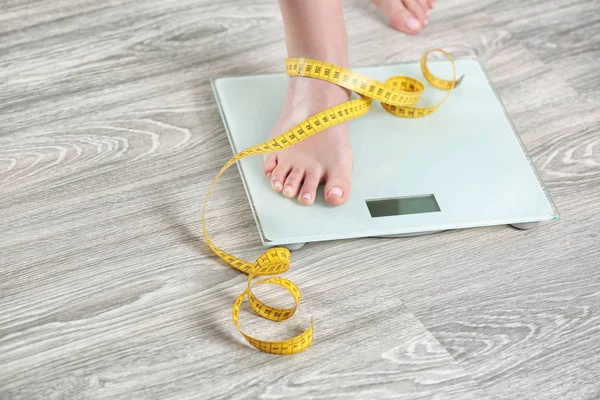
(337, 187)
(270, 163)
(292, 182)
(426, 7)
(279, 175)
(309, 188)
(400, 17)
(414, 6)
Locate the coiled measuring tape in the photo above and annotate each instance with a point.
(397, 95)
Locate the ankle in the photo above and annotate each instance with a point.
(337, 55)
(309, 90)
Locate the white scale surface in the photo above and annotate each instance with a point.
(467, 155)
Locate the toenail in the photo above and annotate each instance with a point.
(426, 21)
(428, 13)
(335, 191)
(413, 24)
(288, 189)
(277, 185)
(307, 196)
(268, 175)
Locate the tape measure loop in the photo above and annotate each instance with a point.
(268, 311)
(272, 262)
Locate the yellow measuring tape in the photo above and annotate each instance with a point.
(398, 95)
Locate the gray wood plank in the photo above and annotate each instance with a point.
(562, 34)
(110, 136)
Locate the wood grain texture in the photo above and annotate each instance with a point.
(563, 34)
(110, 136)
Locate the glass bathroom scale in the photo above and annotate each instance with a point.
(464, 166)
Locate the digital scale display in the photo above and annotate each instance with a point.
(403, 206)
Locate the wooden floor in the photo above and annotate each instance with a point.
(110, 136)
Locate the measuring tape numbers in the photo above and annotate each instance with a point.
(398, 95)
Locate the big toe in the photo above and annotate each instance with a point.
(337, 187)
(399, 16)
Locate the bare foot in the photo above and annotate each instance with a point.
(326, 157)
(408, 16)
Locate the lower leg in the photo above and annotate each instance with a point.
(315, 29)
